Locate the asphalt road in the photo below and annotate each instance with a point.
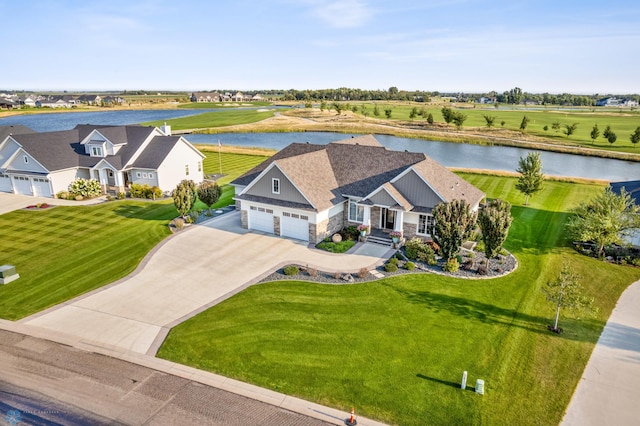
(45, 383)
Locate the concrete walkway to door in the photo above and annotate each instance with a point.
(184, 275)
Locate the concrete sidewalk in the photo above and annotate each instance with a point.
(11, 202)
(184, 275)
(608, 393)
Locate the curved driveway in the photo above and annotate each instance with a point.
(184, 275)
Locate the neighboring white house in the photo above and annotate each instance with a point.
(44, 164)
(309, 192)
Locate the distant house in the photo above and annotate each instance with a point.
(8, 104)
(616, 102)
(53, 103)
(309, 192)
(238, 97)
(256, 97)
(205, 97)
(29, 100)
(632, 188)
(90, 99)
(43, 164)
(113, 100)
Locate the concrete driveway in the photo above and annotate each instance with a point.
(184, 275)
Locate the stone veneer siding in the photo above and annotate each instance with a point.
(276, 224)
(326, 228)
(409, 230)
(244, 219)
(375, 217)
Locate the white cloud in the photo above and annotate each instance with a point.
(342, 13)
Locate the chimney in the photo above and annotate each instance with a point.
(166, 129)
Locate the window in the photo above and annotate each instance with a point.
(96, 151)
(144, 175)
(186, 169)
(275, 185)
(26, 159)
(150, 175)
(356, 212)
(138, 175)
(425, 224)
(110, 173)
(199, 166)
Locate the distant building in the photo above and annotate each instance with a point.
(616, 102)
(205, 97)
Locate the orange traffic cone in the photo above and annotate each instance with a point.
(352, 420)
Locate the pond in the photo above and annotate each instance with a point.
(447, 153)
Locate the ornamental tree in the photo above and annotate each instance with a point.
(185, 196)
(531, 178)
(606, 219)
(209, 193)
(495, 220)
(565, 292)
(454, 222)
(595, 132)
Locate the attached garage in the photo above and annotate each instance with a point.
(261, 219)
(22, 185)
(5, 183)
(294, 225)
(42, 187)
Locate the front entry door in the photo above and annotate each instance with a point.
(387, 219)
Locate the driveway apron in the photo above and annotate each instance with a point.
(187, 272)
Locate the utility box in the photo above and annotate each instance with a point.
(7, 274)
(480, 386)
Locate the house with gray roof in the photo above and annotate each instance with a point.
(309, 191)
(43, 164)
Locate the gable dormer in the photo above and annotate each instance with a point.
(97, 145)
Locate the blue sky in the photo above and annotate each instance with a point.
(577, 46)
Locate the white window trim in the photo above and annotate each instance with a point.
(138, 175)
(358, 207)
(150, 175)
(426, 225)
(275, 186)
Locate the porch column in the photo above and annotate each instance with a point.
(366, 219)
(397, 226)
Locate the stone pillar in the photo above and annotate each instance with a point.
(276, 224)
(375, 217)
(244, 219)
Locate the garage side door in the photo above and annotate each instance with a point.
(5, 183)
(22, 185)
(261, 219)
(41, 187)
(295, 226)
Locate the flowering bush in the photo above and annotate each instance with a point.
(363, 228)
(85, 187)
(395, 234)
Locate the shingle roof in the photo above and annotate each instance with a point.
(156, 152)
(54, 150)
(447, 184)
(16, 129)
(631, 187)
(325, 174)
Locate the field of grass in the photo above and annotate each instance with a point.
(396, 348)
(63, 252)
(623, 123)
(214, 119)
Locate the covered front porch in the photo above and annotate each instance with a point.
(111, 180)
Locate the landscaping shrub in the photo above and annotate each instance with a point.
(434, 246)
(110, 198)
(313, 272)
(415, 249)
(332, 247)
(337, 275)
(178, 223)
(391, 266)
(85, 188)
(409, 266)
(482, 270)
(452, 265)
(350, 233)
(145, 191)
(363, 272)
(468, 264)
(393, 261)
(291, 270)
(121, 195)
(63, 195)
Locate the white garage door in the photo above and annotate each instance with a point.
(22, 185)
(5, 183)
(261, 219)
(41, 187)
(295, 226)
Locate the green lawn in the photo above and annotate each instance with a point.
(63, 252)
(623, 123)
(214, 119)
(396, 348)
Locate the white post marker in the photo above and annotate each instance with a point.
(464, 381)
(480, 386)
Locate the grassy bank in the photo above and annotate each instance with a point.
(214, 119)
(396, 348)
